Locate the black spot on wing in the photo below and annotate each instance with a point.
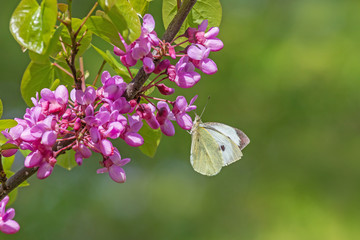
(222, 147)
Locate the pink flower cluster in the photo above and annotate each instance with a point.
(141, 48)
(86, 120)
(91, 117)
(183, 72)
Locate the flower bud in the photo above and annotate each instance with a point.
(163, 65)
(163, 89)
(77, 124)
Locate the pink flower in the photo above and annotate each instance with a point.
(180, 110)
(131, 135)
(114, 86)
(149, 65)
(84, 98)
(183, 73)
(208, 39)
(199, 57)
(113, 165)
(7, 225)
(54, 101)
(163, 65)
(164, 116)
(81, 152)
(163, 89)
(146, 112)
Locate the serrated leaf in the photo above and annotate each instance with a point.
(151, 138)
(105, 29)
(203, 9)
(7, 123)
(67, 160)
(36, 77)
(1, 108)
(32, 25)
(85, 41)
(7, 146)
(124, 17)
(140, 6)
(119, 69)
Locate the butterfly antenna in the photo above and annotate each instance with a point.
(205, 107)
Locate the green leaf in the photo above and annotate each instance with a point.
(7, 123)
(67, 160)
(64, 78)
(36, 77)
(12, 196)
(140, 6)
(32, 25)
(85, 39)
(124, 18)
(105, 29)
(1, 108)
(25, 152)
(8, 146)
(63, 7)
(24, 184)
(119, 69)
(203, 9)
(152, 139)
(8, 162)
(53, 49)
(55, 84)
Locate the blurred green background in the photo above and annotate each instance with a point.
(289, 77)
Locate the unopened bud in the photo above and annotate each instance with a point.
(163, 89)
(163, 65)
(77, 124)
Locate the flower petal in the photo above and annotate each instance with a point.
(33, 159)
(134, 139)
(168, 128)
(106, 147)
(9, 227)
(117, 174)
(45, 170)
(102, 170)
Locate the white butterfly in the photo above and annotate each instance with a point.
(214, 145)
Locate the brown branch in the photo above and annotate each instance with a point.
(24, 173)
(132, 89)
(85, 19)
(135, 85)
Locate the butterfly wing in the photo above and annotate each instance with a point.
(206, 157)
(230, 140)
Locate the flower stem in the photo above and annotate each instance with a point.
(85, 19)
(98, 74)
(61, 68)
